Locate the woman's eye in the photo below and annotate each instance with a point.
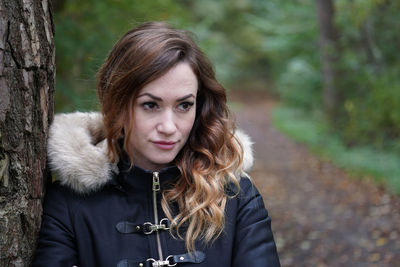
(150, 105)
(185, 106)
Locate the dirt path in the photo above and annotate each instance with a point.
(320, 217)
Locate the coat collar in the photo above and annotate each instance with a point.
(139, 179)
(81, 163)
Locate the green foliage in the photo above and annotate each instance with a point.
(233, 44)
(376, 117)
(362, 161)
(371, 63)
(299, 84)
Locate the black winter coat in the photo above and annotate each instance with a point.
(120, 222)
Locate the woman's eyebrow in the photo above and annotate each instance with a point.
(160, 99)
(186, 97)
(150, 95)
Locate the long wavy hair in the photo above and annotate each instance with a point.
(211, 158)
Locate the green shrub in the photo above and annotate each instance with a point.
(375, 117)
(299, 85)
(361, 161)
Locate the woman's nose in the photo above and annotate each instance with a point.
(166, 124)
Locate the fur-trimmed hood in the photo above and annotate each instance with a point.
(80, 161)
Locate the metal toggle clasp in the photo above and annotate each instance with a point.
(149, 228)
(161, 263)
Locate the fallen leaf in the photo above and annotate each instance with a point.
(374, 257)
(381, 241)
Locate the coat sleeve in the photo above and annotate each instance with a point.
(254, 243)
(56, 242)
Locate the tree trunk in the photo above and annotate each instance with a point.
(329, 56)
(27, 72)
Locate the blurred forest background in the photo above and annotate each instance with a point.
(334, 70)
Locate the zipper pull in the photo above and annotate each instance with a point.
(156, 181)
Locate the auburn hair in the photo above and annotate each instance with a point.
(211, 158)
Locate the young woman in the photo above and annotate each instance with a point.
(158, 178)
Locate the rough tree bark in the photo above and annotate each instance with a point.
(329, 56)
(27, 72)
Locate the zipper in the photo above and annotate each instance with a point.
(156, 188)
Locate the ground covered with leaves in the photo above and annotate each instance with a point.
(320, 215)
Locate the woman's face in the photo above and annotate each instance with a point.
(164, 113)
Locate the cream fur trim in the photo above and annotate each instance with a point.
(84, 166)
(247, 146)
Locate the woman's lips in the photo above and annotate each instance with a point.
(164, 145)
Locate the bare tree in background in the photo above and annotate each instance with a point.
(27, 72)
(329, 56)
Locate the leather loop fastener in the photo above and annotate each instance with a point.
(147, 228)
(195, 257)
(131, 263)
(128, 228)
